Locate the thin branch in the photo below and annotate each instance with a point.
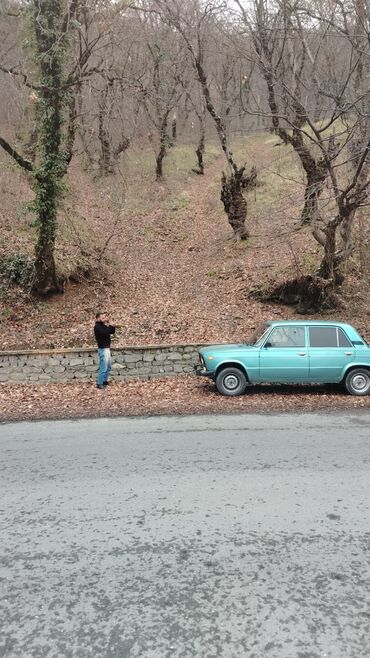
(25, 164)
(13, 71)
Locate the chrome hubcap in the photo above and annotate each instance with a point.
(231, 382)
(360, 382)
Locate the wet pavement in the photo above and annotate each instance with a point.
(236, 536)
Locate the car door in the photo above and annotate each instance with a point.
(284, 357)
(330, 350)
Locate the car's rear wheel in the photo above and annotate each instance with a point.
(357, 382)
(231, 381)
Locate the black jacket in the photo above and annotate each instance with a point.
(103, 333)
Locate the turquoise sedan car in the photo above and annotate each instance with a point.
(290, 352)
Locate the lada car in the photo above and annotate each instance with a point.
(290, 352)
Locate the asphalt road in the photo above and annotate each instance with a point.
(236, 536)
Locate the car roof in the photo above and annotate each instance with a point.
(322, 323)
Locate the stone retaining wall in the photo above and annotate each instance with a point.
(65, 365)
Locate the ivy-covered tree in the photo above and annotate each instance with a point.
(50, 25)
(56, 74)
(51, 29)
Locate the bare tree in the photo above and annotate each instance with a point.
(156, 82)
(292, 50)
(104, 103)
(192, 23)
(110, 149)
(194, 99)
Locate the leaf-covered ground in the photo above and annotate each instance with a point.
(169, 271)
(180, 395)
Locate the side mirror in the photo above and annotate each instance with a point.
(267, 345)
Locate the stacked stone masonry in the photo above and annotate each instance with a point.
(65, 365)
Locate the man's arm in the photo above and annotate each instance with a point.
(101, 330)
(111, 328)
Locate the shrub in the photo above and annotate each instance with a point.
(17, 268)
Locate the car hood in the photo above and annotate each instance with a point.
(218, 350)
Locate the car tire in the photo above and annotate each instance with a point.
(231, 381)
(357, 382)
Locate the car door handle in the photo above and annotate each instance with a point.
(302, 353)
(348, 353)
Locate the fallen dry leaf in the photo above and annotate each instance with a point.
(169, 395)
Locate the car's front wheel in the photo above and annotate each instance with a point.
(231, 381)
(357, 381)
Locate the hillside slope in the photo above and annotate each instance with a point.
(158, 257)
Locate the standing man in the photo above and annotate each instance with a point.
(103, 331)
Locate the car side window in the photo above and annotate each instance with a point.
(287, 337)
(328, 337)
(343, 341)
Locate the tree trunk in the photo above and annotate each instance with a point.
(82, 132)
(234, 203)
(47, 192)
(54, 163)
(46, 281)
(105, 160)
(162, 152)
(326, 269)
(313, 190)
(123, 145)
(159, 162)
(72, 123)
(201, 145)
(174, 129)
(329, 267)
(200, 153)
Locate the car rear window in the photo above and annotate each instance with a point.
(328, 337)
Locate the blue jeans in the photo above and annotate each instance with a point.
(105, 364)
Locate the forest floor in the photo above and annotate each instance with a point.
(158, 257)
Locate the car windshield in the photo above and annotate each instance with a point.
(361, 336)
(259, 334)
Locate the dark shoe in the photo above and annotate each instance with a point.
(106, 383)
(100, 386)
